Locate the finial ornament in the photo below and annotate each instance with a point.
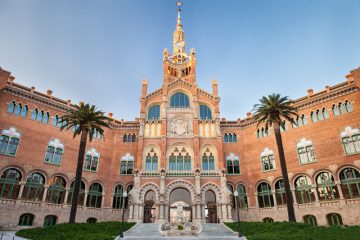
(179, 3)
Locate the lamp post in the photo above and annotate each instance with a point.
(123, 214)
(236, 194)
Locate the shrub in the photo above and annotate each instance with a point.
(180, 227)
(78, 231)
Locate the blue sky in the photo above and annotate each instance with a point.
(99, 51)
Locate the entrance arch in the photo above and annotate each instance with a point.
(180, 205)
(210, 207)
(149, 207)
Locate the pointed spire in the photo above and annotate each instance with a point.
(179, 26)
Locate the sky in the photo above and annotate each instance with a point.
(99, 51)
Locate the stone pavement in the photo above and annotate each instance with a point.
(211, 231)
(9, 235)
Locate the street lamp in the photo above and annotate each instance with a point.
(124, 195)
(236, 194)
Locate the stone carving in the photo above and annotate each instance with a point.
(290, 175)
(310, 171)
(197, 182)
(180, 213)
(357, 163)
(270, 178)
(162, 181)
(141, 132)
(333, 167)
(180, 127)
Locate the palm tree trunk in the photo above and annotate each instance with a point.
(289, 198)
(79, 168)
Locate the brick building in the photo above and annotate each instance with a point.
(180, 154)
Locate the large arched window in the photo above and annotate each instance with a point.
(56, 191)
(81, 193)
(154, 113)
(310, 219)
(303, 190)
(151, 161)
(265, 198)
(306, 151)
(326, 187)
(118, 197)
(94, 198)
(10, 183)
(26, 219)
(350, 183)
(34, 187)
(179, 100)
(54, 152)
(208, 160)
(242, 198)
(180, 160)
(9, 141)
(205, 112)
(280, 192)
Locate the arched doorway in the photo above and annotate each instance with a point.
(149, 207)
(180, 205)
(210, 207)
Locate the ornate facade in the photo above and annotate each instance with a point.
(180, 152)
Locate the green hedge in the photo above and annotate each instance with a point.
(295, 231)
(78, 231)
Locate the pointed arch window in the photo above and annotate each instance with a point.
(326, 187)
(10, 183)
(56, 191)
(208, 161)
(299, 121)
(205, 113)
(179, 100)
(154, 113)
(18, 109)
(151, 161)
(306, 151)
(9, 141)
(262, 132)
(303, 190)
(351, 140)
(350, 183)
(54, 152)
(81, 197)
(127, 164)
(268, 160)
(265, 198)
(91, 160)
(94, 198)
(34, 187)
(180, 160)
(232, 164)
(11, 107)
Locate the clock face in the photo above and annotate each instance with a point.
(179, 44)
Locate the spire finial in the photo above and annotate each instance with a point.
(179, 3)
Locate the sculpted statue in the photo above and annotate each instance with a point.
(197, 182)
(162, 181)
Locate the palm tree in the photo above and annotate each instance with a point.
(272, 111)
(84, 120)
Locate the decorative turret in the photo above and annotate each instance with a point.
(179, 35)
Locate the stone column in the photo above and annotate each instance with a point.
(257, 200)
(198, 212)
(219, 213)
(203, 212)
(193, 211)
(274, 197)
(66, 195)
(162, 215)
(85, 198)
(229, 215)
(103, 200)
(141, 213)
(224, 212)
(131, 211)
(22, 185)
(316, 194)
(46, 187)
(338, 185)
(167, 212)
(294, 195)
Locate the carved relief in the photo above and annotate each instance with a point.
(180, 127)
(333, 167)
(357, 163)
(310, 171)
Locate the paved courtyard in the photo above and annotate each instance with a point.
(9, 235)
